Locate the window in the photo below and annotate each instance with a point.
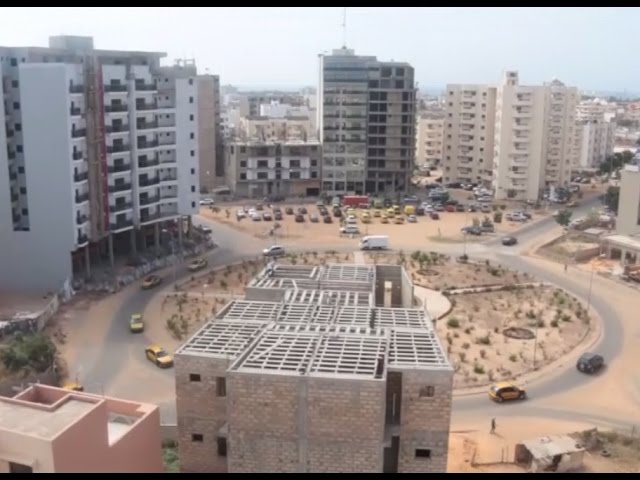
(193, 204)
(385, 72)
(400, 72)
(190, 99)
(243, 149)
(222, 446)
(221, 386)
(25, 212)
(14, 62)
(16, 105)
(193, 153)
(263, 176)
(193, 171)
(314, 174)
(19, 148)
(194, 377)
(263, 163)
(191, 81)
(198, 437)
(243, 176)
(18, 127)
(428, 391)
(193, 189)
(423, 453)
(191, 118)
(20, 169)
(243, 164)
(314, 162)
(192, 135)
(23, 190)
(14, 83)
(399, 83)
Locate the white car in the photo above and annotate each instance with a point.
(240, 213)
(274, 251)
(412, 219)
(253, 212)
(351, 220)
(350, 230)
(256, 217)
(207, 201)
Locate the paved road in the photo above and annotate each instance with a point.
(119, 345)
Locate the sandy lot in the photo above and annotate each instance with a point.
(446, 229)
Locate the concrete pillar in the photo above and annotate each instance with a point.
(87, 260)
(189, 226)
(134, 248)
(111, 260)
(180, 237)
(157, 238)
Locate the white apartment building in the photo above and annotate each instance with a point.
(596, 109)
(467, 154)
(429, 139)
(96, 145)
(595, 142)
(256, 169)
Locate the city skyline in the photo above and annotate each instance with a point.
(541, 43)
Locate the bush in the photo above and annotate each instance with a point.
(463, 357)
(554, 323)
(566, 318)
(223, 284)
(497, 217)
(453, 322)
(479, 369)
(35, 351)
(540, 323)
(531, 315)
(483, 354)
(467, 330)
(486, 340)
(513, 358)
(466, 345)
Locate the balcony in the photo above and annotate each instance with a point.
(116, 128)
(115, 108)
(14, 197)
(146, 87)
(147, 106)
(11, 154)
(148, 182)
(147, 125)
(82, 239)
(75, 111)
(120, 187)
(80, 177)
(148, 144)
(117, 148)
(119, 207)
(119, 168)
(148, 163)
(76, 88)
(169, 194)
(78, 132)
(149, 200)
(110, 88)
(170, 141)
(121, 224)
(80, 219)
(77, 155)
(10, 133)
(169, 178)
(82, 197)
(13, 176)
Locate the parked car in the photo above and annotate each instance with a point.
(299, 218)
(472, 230)
(136, 325)
(337, 212)
(327, 219)
(266, 216)
(313, 218)
(485, 199)
(240, 214)
(438, 207)
(274, 251)
(288, 210)
(473, 208)
(412, 219)
(151, 281)
(351, 220)
(398, 220)
(502, 391)
(590, 363)
(302, 210)
(419, 211)
(435, 216)
(450, 208)
(485, 209)
(259, 206)
(277, 216)
(509, 241)
(197, 264)
(487, 228)
(157, 355)
(256, 217)
(460, 207)
(350, 230)
(207, 201)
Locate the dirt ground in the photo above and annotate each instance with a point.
(447, 229)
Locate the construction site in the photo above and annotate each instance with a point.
(318, 369)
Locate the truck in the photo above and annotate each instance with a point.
(354, 200)
(374, 242)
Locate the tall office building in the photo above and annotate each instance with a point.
(98, 148)
(210, 140)
(367, 123)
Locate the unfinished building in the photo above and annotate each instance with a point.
(318, 369)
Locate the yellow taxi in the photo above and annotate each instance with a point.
(74, 386)
(384, 218)
(366, 218)
(399, 220)
(136, 325)
(157, 355)
(397, 210)
(505, 391)
(151, 281)
(391, 212)
(197, 264)
(377, 213)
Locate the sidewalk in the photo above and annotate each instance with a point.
(436, 304)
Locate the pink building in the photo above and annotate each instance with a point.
(52, 430)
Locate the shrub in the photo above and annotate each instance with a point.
(456, 335)
(566, 318)
(479, 369)
(34, 350)
(531, 315)
(496, 329)
(483, 354)
(513, 358)
(467, 330)
(453, 322)
(540, 323)
(554, 323)
(466, 345)
(223, 285)
(463, 357)
(486, 340)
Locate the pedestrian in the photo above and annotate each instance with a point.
(493, 426)
(565, 267)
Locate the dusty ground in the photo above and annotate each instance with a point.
(446, 229)
(480, 353)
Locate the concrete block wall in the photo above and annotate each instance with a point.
(425, 421)
(200, 411)
(345, 425)
(263, 422)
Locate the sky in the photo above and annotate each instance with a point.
(591, 48)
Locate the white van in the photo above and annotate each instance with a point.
(374, 242)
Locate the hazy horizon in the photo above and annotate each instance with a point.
(589, 48)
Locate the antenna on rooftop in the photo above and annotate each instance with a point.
(344, 27)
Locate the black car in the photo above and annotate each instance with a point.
(590, 363)
(435, 216)
(453, 185)
(337, 212)
(302, 210)
(277, 216)
(472, 230)
(509, 241)
(460, 207)
(299, 218)
(327, 219)
(419, 211)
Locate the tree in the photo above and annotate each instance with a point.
(612, 198)
(564, 217)
(615, 162)
(497, 217)
(35, 351)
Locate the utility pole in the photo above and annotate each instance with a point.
(344, 27)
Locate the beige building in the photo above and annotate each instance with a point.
(210, 145)
(468, 134)
(429, 139)
(256, 169)
(319, 369)
(51, 430)
(595, 142)
(628, 220)
(276, 129)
